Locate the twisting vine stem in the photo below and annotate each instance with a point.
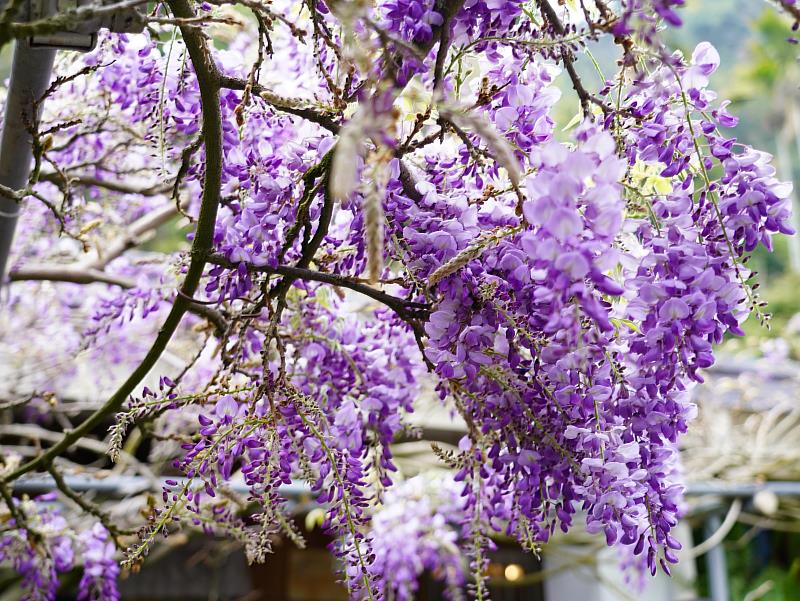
(209, 85)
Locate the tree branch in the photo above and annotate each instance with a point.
(88, 506)
(78, 275)
(583, 95)
(791, 9)
(409, 183)
(136, 230)
(404, 308)
(89, 180)
(64, 273)
(63, 20)
(208, 81)
(441, 55)
(285, 105)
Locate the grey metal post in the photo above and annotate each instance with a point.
(30, 76)
(716, 563)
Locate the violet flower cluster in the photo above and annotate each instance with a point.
(419, 529)
(45, 545)
(100, 568)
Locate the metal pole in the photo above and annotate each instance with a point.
(743, 491)
(128, 485)
(30, 76)
(716, 563)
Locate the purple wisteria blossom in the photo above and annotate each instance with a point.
(100, 568)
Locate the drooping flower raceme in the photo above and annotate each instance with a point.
(38, 564)
(100, 568)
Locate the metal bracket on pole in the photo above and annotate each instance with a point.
(83, 36)
(30, 77)
(716, 563)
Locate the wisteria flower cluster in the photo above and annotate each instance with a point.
(419, 529)
(40, 544)
(372, 201)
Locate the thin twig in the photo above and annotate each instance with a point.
(285, 105)
(89, 507)
(402, 307)
(566, 56)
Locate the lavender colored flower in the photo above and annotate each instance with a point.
(100, 569)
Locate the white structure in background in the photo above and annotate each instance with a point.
(581, 573)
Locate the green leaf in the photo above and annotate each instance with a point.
(575, 120)
(625, 322)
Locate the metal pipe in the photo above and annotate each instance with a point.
(743, 490)
(30, 76)
(716, 563)
(122, 486)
